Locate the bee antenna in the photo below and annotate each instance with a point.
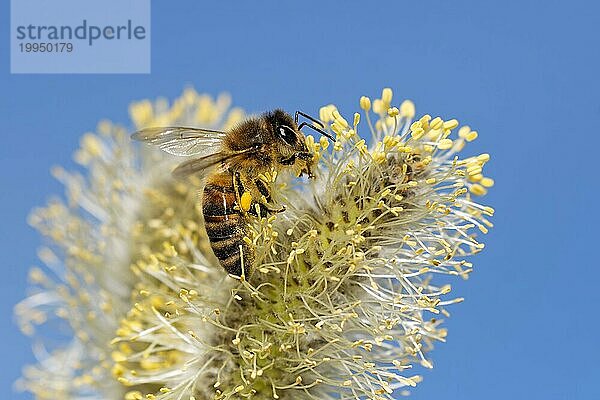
(321, 131)
(305, 115)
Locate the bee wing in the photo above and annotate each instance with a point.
(182, 141)
(204, 164)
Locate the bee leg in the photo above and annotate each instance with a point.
(268, 200)
(270, 209)
(288, 161)
(265, 209)
(251, 204)
(242, 198)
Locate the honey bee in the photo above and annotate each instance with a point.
(230, 164)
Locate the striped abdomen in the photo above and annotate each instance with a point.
(225, 225)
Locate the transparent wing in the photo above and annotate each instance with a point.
(208, 163)
(182, 141)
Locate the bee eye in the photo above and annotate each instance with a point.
(287, 134)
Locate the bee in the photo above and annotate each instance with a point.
(230, 165)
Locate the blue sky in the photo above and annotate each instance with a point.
(524, 74)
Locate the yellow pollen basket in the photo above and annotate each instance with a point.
(246, 201)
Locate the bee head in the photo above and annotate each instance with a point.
(289, 143)
(285, 131)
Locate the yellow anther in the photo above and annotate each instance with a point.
(325, 113)
(324, 142)
(365, 103)
(92, 144)
(478, 190)
(356, 118)
(471, 136)
(464, 131)
(390, 141)
(336, 128)
(417, 133)
(386, 192)
(189, 95)
(450, 124)
(123, 381)
(489, 211)
(475, 178)
(379, 157)
(323, 116)
(117, 356)
(338, 118)
(436, 123)
(133, 395)
(407, 109)
(246, 201)
(425, 119)
(378, 106)
(415, 125)
(310, 141)
(386, 96)
(141, 112)
(393, 112)
(445, 144)
(475, 170)
(483, 157)
(487, 182)
(360, 145)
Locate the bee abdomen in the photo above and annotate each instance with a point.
(226, 227)
(226, 246)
